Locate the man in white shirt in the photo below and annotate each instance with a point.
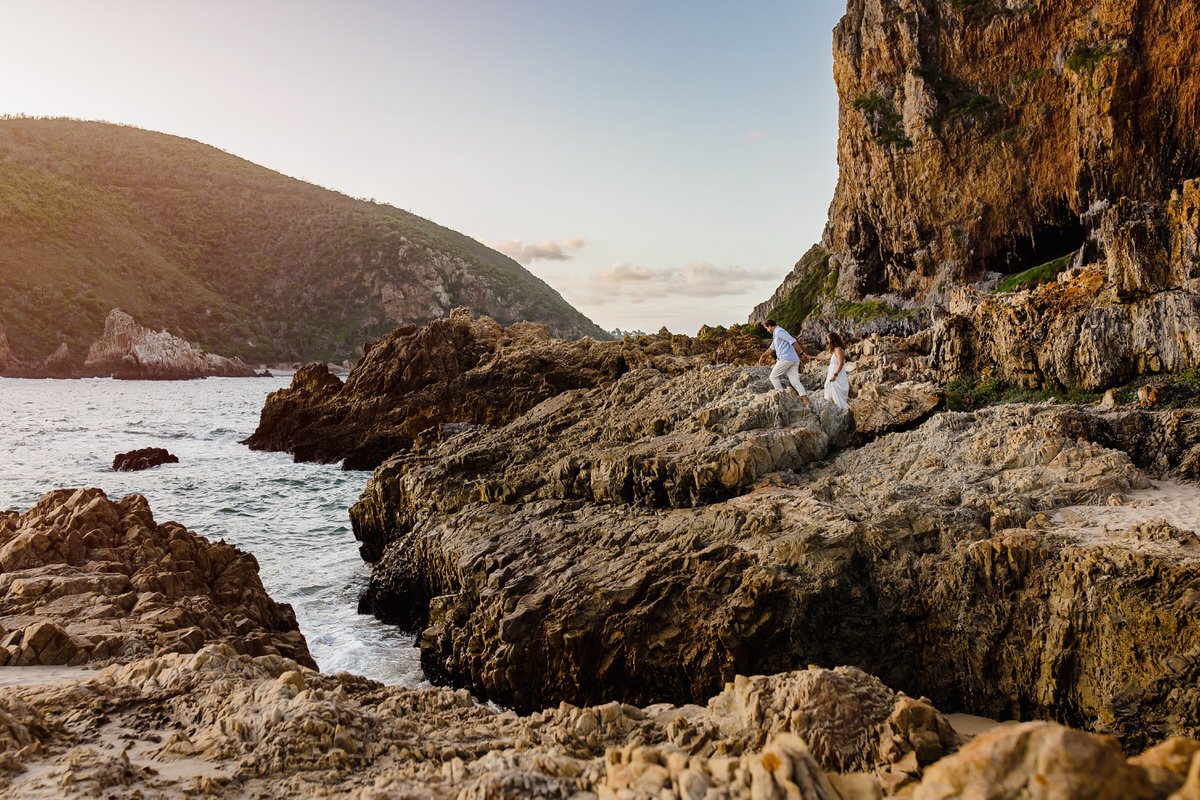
(787, 361)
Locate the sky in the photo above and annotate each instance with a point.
(657, 162)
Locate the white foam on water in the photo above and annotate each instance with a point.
(292, 517)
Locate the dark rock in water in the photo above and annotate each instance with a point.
(145, 458)
(460, 369)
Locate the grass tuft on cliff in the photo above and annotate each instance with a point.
(817, 284)
(237, 258)
(1036, 276)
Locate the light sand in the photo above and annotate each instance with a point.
(41, 676)
(1176, 504)
(968, 726)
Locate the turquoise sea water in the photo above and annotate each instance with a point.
(292, 517)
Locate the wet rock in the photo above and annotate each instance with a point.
(145, 458)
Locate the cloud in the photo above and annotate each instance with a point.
(755, 136)
(548, 250)
(637, 284)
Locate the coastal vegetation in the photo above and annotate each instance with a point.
(230, 255)
(815, 285)
(1035, 276)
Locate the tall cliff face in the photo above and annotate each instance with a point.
(981, 135)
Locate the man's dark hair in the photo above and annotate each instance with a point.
(771, 323)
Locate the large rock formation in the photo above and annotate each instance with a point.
(230, 704)
(650, 539)
(1136, 312)
(460, 369)
(130, 350)
(85, 580)
(986, 135)
(985, 138)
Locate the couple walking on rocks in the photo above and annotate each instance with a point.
(787, 362)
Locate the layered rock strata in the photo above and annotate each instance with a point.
(88, 580)
(1136, 311)
(460, 369)
(979, 135)
(651, 539)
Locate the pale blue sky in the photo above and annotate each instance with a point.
(676, 158)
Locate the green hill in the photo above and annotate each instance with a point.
(230, 255)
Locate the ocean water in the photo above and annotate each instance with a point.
(292, 517)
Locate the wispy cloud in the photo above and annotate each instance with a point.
(636, 284)
(548, 250)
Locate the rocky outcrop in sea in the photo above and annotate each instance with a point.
(143, 458)
(461, 369)
(127, 349)
(88, 580)
(132, 351)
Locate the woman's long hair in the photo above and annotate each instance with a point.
(835, 341)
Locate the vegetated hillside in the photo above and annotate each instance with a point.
(225, 253)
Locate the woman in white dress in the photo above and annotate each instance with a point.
(837, 382)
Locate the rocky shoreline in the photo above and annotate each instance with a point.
(205, 688)
(651, 539)
(129, 351)
(230, 705)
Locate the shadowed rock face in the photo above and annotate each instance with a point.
(85, 580)
(1134, 311)
(460, 369)
(145, 458)
(974, 135)
(650, 539)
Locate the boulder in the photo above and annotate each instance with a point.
(145, 458)
(1038, 761)
(881, 408)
